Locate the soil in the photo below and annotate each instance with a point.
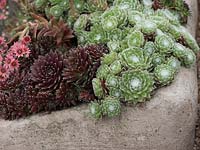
(197, 138)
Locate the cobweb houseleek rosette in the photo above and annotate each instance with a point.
(111, 106)
(164, 74)
(164, 43)
(136, 85)
(135, 58)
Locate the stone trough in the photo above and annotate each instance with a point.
(167, 122)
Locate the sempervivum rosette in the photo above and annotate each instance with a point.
(95, 110)
(46, 71)
(164, 43)
(111, 107)
(164, 74)
(135, 58)
(80, 64)
(136, 86)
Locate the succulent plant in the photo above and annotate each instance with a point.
(95, 110)
(136, 86)
(97, 87)
(164, 74)
(111, 107)
(174, 62)
(46, 71)
(81, 63)
(164, 43)
(136, 39)
(135, 58)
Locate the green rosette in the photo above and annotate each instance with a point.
(111, 107)
(134, 58)
(115, 11)
(56, 11)
(127, 4)
(40, 3)
(164, 74)
(95, 110)
(115, 92)
(149, 48)
(148, 27)
(157, 59)
(174, 63)
(169, 15)
(190, 40)
(175, 31)
(79, 5)
(179, 51)
(135, 16)
(95, 17)
(97, 5)
(54, 2)
(189, 58)
(115, 35)
(103, 71)
(97, 35)
(114, 46)
(112, 81)
(135, 39)
(162, 23)
(115, 67)
(109, 58)
(81, 23)
(164, 43)
(136, 86)
(97, 88)
(109, 23)
(64, 4)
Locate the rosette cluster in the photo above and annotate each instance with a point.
(147, 48)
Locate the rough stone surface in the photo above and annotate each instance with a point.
(165, 123)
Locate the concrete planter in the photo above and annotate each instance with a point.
(166, 122)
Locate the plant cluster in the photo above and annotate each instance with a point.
(106, 52)
(147, 48)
